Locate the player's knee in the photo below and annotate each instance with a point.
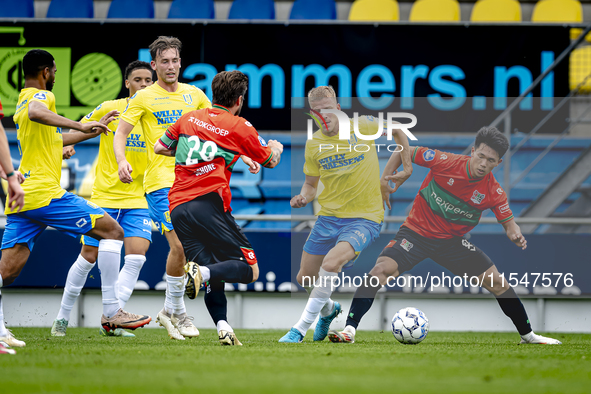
(176, 247)
(9, 275)
(332, 264)
(306, 278)
(299, 277)
(384, 268)
(379, 272)
(255, 274)
(498, 288)
(89, 253)
(116, 233)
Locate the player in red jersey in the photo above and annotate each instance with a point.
(206, 145)
(449, 204)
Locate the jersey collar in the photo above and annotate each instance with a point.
(217, 106)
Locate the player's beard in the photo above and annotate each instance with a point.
(49, 85)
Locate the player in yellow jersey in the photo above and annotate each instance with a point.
(46, 204)
(352, 208)
(156, 108)
(123, 202)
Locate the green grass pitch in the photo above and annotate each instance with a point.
(84, 362)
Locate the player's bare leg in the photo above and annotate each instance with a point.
(12, 262)
(309, 268)
(110, 236)
(512, 307)
(174, 316)
(331, 265)
(364, 296)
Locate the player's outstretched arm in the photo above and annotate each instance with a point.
(119, 143)
(38, 112)
(277, 148)
(74, 137)
(307, 193)
(514, 233)
(391, 174)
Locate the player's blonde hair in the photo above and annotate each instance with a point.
(163, 43)
(321, 92)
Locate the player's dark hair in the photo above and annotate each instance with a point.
(227, 86)
(163, 43)
(35, 61)
(136, 65)
(493, 138)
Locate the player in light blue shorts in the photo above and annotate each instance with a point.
(329, 230)
(69, 214)
(351, 205)
(158, 206)
(135, 223)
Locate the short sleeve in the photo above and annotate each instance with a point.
(45, 97)
(500, 205)
(134, 110)
(370, 125)
(311, 167)
(95, 115)
(202, 100)
(170, 138)
(253, 145)
(430, 158)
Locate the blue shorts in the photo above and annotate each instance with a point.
(158, 206)
(328, 231)
(135, 223)
(70, 214)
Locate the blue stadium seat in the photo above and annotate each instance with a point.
(313, 9)
(71, 9)
(244, 207)
(274, 207)
(131, 9)
(277, 182)
(252, 9)
(192, 9)
(17, 9)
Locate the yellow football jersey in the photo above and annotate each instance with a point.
(108, 191)
(156, 109)
(349, 171)
(41, 152)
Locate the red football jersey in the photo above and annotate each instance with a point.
(208, 142)
(450, 201)
(1, 111)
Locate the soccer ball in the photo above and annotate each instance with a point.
(410, 326)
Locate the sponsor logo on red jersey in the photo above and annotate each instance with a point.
(477, 197)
